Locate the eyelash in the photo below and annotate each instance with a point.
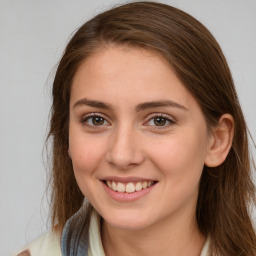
(165, 118)
(85, 119)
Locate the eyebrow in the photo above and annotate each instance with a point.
(93, 103)
(156, 104)
(140, 107)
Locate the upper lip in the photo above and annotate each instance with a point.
(126, 179)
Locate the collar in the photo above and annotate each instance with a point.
(95, 244)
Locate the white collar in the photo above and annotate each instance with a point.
(95, 245)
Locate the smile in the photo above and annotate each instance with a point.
(128, 187)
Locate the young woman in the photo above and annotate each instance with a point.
(150, 147)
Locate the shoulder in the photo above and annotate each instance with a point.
(47, 244)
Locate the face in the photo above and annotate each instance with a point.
(137, 138)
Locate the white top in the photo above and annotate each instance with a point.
(49, 243)
(95, 245)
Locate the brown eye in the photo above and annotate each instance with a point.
(160, 121)
(97, 120)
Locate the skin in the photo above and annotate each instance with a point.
(128, 142)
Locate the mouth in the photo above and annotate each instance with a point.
(129, 187)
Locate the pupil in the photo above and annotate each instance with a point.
(159, 121)
(97, 120)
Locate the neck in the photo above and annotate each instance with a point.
(178, 237)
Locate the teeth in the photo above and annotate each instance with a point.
(138, 186)
(130, 187)
(150, 183)
(144, 184)
(120, 187)
(114, 187)
(109, 183)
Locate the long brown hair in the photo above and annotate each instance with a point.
(226, 192)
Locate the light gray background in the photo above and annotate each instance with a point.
(32, 38)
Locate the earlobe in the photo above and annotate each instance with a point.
(220, 142)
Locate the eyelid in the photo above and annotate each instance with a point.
(94, 114)
(169, 118)
(157, 114)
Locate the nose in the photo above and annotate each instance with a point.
(125, 148)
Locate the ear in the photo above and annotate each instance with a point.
(220, 142)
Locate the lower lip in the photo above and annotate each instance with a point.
(127, 197)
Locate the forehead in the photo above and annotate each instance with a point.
(114, 58)
(125, 72)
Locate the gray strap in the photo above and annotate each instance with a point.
(75, 238)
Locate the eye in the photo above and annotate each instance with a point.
(160, 121)
(94, 120)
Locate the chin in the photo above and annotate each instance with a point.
(127, 221)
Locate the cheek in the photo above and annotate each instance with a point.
(181, 163)
(86, 153)
(181, 157)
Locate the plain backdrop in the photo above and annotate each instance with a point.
(33, 34)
